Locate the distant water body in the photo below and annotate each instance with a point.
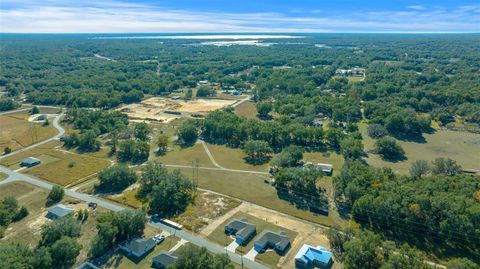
(210, 37)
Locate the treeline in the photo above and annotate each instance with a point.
(10, 212)
(439, 206)
(358, 249)
(8, 104)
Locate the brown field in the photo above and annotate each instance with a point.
(154, 108)
(247, 110)
(461, 146)
(17, 132)
(57, 160)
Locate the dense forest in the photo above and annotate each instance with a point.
(409, 84)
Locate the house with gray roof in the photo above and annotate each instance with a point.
(29, 162)
(279, 242)
(242, 230)
(138, 247)
(163, 260)
(59, 211)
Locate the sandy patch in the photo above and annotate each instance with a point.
(154, 108)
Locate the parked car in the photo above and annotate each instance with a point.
(159, 238)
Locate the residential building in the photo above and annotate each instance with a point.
(59, 211)
(279, 242)
(138, 247)
(163, 260)
(242, 230)
(313, 257)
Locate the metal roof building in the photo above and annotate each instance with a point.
(29, 162)
(59, 211)
(313, 257)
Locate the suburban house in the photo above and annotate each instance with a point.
(279, 242)
(138, 247)
(59, 211)
(29, 162)
(313, 257)
(242, 230)
(163, 260)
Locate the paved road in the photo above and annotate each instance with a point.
(195, 239)
(56, 125)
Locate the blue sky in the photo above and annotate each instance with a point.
(168, 16)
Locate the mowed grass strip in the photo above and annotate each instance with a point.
(56, 166)
(234, 158)
(463, 147)
(247, 110)
(270, 258)
(16, 132)
(252, 188)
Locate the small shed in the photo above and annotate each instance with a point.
(163, 260)
(59, 211)
(29, 162)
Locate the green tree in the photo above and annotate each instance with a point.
(55, 195)
(389, 149)
(7, 150)
(189, 94)
(34, 110)
(104, 240)
(364, 251)
(446, 166)
(116, 178)
(351, 148)
(187, 133)
(376, 131)
(171, 195)
(264, 108)
(64, 251)
(419, 169)
(142, 131)
(462, 263)
(162, 143)
(191, 256)
(53, 231)
(289, 157)
(258, 151)
(337, 238)
(88, 141)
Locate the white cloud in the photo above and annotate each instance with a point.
(89, 16)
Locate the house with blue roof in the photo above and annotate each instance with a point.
(313, 257)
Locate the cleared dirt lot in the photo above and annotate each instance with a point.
(154, 108)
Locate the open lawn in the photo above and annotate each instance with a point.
(269, 258)
(16, 132)
(247, 110)
(461, 146)
(55, 164)
(3, 176)
(234, 158)
(185, 156)
(252, 188)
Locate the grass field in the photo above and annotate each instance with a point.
(3, 176)
(233, 158)
(460, 146)
(55, 167)
(247, 110)
(185, 156)
(16, 132)
(252, 188)
(269, 258)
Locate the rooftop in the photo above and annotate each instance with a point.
(60, 211)
(280, 241)
(309, 254)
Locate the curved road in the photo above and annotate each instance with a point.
(195, 239)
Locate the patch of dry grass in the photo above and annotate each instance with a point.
(234, 158)
(247, 110)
